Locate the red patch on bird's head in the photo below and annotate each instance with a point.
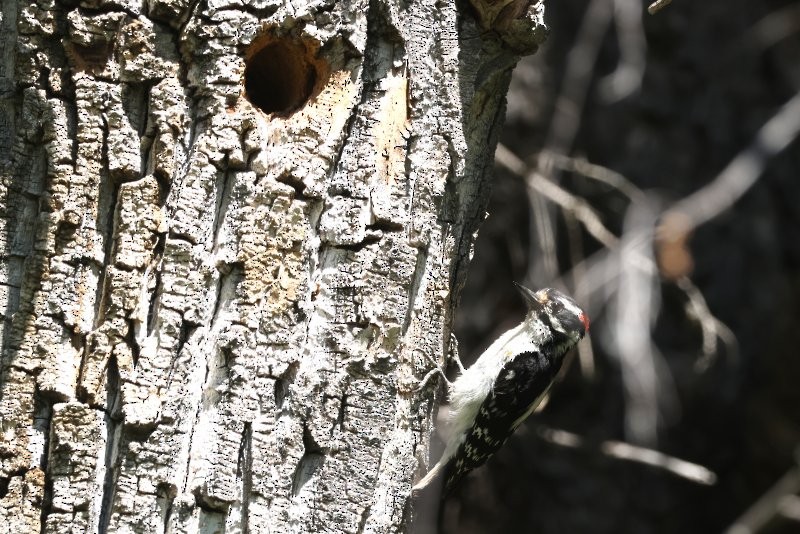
(585, 320)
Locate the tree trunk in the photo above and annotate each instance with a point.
(233, 233)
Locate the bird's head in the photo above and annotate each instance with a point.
(559, 313)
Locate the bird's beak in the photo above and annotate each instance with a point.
(532, 299)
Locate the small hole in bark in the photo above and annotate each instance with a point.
(281, 73)
(5, 482)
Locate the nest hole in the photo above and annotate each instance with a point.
(281, 74)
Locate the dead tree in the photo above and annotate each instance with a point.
(234, 232)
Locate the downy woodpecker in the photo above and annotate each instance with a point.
(504, 386)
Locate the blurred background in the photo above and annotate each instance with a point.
(649, 166)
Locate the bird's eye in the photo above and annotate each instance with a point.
(569, 320)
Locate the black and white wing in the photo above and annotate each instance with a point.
(519, 388)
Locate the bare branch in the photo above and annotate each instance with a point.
(635, 308)
(688, 470)
(657, 6)
(596, 172)
(558, 195)
(581, 209)
(739, 176)
(627, 77)
(762, 512)
(578, 75)
(789, 507)
(632, 453)
(712, 327)
(774, 27)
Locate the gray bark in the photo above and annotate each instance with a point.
(216, 318)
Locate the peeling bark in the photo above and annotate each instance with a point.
(216, 318)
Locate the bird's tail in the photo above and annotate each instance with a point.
(433, 473)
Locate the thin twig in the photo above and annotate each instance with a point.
(558, 195)
(688, 470)
(581, 209)
(657, 6)
(712, 328)
(597, 173)
(543, 258)
(578, 76)
(632, 453)
(762, 512)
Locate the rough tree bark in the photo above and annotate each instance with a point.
(232, 231)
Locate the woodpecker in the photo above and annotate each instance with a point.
(504, 386)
